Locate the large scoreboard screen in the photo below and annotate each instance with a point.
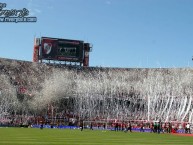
(62, 49)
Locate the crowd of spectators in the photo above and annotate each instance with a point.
(26, 77)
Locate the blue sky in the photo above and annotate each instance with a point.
(124, 33)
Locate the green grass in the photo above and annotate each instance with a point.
(32, 136)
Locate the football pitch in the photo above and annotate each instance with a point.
(35, 136)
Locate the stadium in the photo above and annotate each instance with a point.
(54, 92)
(67, 98)
(134, 87)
